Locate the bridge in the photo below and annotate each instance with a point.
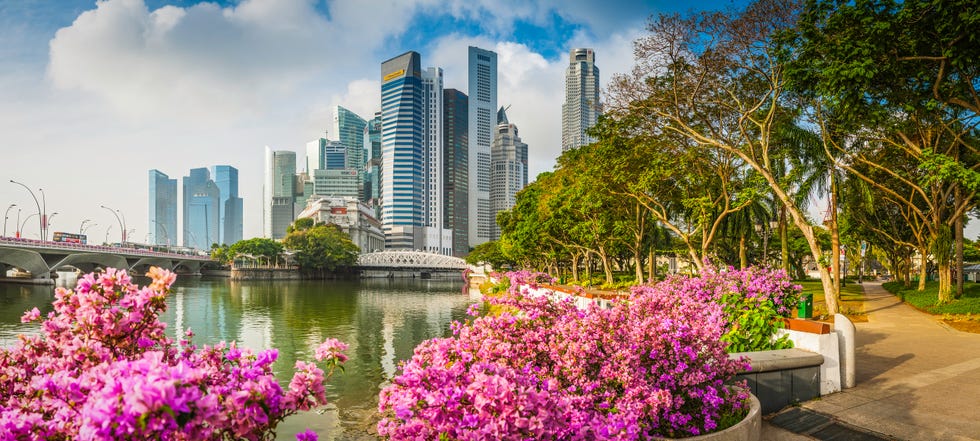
(41, 258)
(407, 263)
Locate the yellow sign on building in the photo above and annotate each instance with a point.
(394, 75)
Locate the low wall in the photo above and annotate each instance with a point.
(409, 274)
(782, 377)
(265, 274)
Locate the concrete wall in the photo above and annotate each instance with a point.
(265, 274)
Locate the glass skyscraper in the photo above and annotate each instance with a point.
(372, 179)
(230, 208)
(508, 163)
(278, 192)
(402, 168)
(582, 108)
(482, 106)
(456, 171)
(163, 209)
(349, 129)
(201, 210)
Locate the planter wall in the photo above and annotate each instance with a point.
(749, 429)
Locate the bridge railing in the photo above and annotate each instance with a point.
(67, 246)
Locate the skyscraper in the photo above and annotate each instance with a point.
(456, 171)
(372, 179)
(163, 209)
(349, 129)
(582, 107)
(324, 154)
(201, 210)
(509, 168)
(402, 173)
(278, 192)
(482, 105)
(437, 239)
(230, 208)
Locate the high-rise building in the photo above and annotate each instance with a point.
(349, 129)
(334, 183)
(230, 217)
(482, 105)
(201, 210)
(509, 168)
(372, 179)
(163, 209)
(456, 171)
(279, 192)
(582, 107)
(437, 239)
(324, 154)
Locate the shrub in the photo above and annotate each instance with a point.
(654, 366)
(102, 368)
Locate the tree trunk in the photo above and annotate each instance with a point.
(743, 258)
(606, 266)
(575, 261)
(834, 243)
(945, 283)
(783, 240)
(652, 265)
(923, 271)
(958, 230)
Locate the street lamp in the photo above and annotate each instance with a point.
(44, 214)
(122, 224)
(87, 227)
(21, 229)
(40, 221)
(81, 228)
(47, 225)
(5, 217)
(166, 234)
(107, 230)
(764, 229)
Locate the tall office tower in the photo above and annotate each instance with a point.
(278, 191)
(482, 105)
(324, 154)
(402, 173)
(509, 164)
(349, 129)
(372, 178)
(456, 171)
(163, 209)
(202, 200)
(582, 107)
(231, 217)
(437, 239)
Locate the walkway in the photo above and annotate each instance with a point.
(917, 379)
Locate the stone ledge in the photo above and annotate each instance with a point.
(780, 359)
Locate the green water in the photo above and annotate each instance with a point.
(382, 320)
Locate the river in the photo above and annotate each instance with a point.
(382, 320)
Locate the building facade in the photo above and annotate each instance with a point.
(349, 129)
(582, 107)
(334, 182)
(201, 210)
(352, 216)
(324, 154)
(482, 77)
(163, 209)
(436, 238)
(402, 168)
(372, 178)
(278, 193)
(509, 168)
(455, 176)
(230, 217)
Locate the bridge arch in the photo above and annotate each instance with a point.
(26, 260)
(88, 261)
(407, 259)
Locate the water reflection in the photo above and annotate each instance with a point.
(382, 320)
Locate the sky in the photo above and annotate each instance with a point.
(95, 94)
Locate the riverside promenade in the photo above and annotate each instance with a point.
(917, 379)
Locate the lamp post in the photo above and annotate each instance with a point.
(87, 227)
(764, 229)
(40, 221)
(5, 217)
(21, 229)
(81, 228)
(17, 223)
(107, 230)
(44, 214)
(122, 225)
(47, 225)
(166, 234)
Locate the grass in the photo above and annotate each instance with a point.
(926, 300)
(852, 300)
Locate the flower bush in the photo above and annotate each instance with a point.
(754, 301)
(543, 369)
(102, 369)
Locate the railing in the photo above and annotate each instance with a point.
(67, 246)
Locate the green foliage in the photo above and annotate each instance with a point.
(488, 252)
(753, 324)
(925, 300)
(322, 248)
(258, 246)
(303, 223)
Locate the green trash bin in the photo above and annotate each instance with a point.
(805, 308)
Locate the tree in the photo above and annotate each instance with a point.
(256, 247)
(322, 248)
(489, 252)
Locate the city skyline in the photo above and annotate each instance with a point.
(192, 90)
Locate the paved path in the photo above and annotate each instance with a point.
(917, 379)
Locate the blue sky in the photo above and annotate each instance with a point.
(94, 95)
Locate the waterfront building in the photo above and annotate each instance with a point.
(163, 209)
(278, 192)
(401, 150)
(201, 210)
(349, 129)
(352, 216)
(456, 171)
(230, 215)
(372, 178)
(508, 163)
(482, 77)
(437, 239)
(582, 107)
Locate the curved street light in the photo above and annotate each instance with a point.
(21, 229)
(107, 230)
(81, 227)
(6, 216)
(87, 227)
(40, 222)
(166, 234)
(47, 225)
(44, 214)
(122, 225)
